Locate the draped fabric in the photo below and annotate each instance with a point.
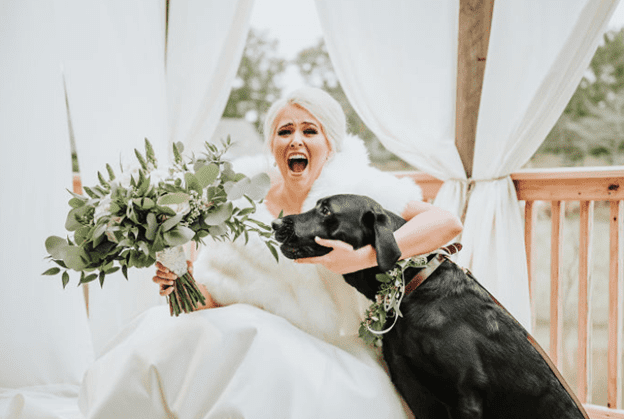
(44, 336)
(113, 63)
(397, 64)
(129, 77)
(205, 44)
(529, 78)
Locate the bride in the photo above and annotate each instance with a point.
(280, 340)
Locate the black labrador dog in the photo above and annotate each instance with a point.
(455, 352)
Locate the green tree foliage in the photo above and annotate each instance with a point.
(316, 69)
(593, 121)
(256, 81)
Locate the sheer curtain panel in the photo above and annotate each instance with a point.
(539, 51)
(397, 62)
(205, 44)
(44, 332)
(113, 60)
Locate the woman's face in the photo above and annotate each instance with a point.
(299, 146)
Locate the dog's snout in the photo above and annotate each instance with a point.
(277, 224)
(283, 229)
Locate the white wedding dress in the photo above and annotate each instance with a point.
(284, 346)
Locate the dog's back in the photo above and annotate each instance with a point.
(471, 354)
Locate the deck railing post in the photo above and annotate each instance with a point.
(584, 367)
(556, 283)
(614, 357)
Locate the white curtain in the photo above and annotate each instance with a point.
(538, 53)
(112, 53)
(397, 62)
(44, 335)
(205, 44)
(122, 88)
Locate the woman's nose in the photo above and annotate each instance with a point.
(296, 141)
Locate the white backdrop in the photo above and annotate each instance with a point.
(112, 54)
(44, 336)
(398, 66)
(122, 88)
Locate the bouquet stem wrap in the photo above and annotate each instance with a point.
(186, 296)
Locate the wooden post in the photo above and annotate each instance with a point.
(556, 283)
(475, 21)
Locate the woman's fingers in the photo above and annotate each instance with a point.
(164, 278)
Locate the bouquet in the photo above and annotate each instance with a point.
(147, 214)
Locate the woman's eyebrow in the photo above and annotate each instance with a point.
(286, 125)
(309, 123)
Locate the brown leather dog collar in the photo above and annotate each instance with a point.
(442, 254)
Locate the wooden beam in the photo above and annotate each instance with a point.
(475, 21)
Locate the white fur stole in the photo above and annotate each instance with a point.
(309, 296)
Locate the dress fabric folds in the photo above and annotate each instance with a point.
(234, 362)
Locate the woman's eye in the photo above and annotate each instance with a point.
(284, 132)
(310, 131)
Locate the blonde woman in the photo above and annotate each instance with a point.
(283, 341)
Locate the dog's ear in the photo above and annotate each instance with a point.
(388, 252)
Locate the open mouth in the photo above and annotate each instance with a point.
(297, 163)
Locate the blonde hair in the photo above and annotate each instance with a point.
(320, 104)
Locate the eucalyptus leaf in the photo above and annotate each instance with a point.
(220, 215)
(237, 190)
(76, 203)
(73, 258)
(174, 198)
(99, 230)
(72, 223)
(218, 230)
(82, 234)
(52, 271)
(206, 175)
(178, 236)
(65, 279)
(192, 182)
(55, 246)
(172, 222)
(88, 278)
(111, 173)
(147, 203)
(144, 248)
(259, 186)
(273, 251)
(152, 225)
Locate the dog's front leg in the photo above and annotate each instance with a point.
(469, 406)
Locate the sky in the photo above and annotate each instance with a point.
(296, 26)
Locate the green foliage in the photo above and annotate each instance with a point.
(127, 220)
(593, 121)
(256, 88)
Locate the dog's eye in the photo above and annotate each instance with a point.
(325, 211)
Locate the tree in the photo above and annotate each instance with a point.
(593, 121)
(255, 87)
(317, 70)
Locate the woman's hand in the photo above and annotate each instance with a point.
(343, 258)
(165, 279)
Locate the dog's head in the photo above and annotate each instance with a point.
(354, 219)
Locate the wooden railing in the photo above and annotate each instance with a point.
(561, 187)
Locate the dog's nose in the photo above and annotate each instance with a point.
(277, 224)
